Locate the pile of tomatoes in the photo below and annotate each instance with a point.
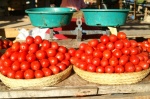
(34, 58)
(111, 54)
(5, 43)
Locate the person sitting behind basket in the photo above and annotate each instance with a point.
(75, 4)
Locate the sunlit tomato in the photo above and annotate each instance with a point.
(33, 48)
(83, 65)
(125, 51)
(47, 71)
(8, 52)
(3, 57)
(107, 54)
(7, 63)
(104, 62)
(53, 60)
(60, 56)
(93, 42)
(113, 38)
(19, 74)
(96, 61)
(82, 46)
(121, 35)
(40, 54)
(110, 46)
(62, 66)
(144, 64)
(51, 52)
(123, 60)
(140, 57)
(138, 68)
(24, 46)
(78, 53)
(133, 51)
(44, 63)
(1, 65)
(55, 69)
(38, 39)
(89, 50)
(11, 74)
(133, 43)
(97, 53)
(126, 43)
(119, 44)
(54, 45)
(15, 66)
(29, 74)
(66, 62)
(91, 68)
(29, 40)
(119, 69)
(25, 65)
(100, 69)
(15, 46)
(14, 56)
(45, 44)
(35, 65)
(30, 57)
(109, 69)
(71, 51)
(5, 70)
(67, 56)
(73, 60)
(39, 74)
(113, 61)
(117, 53)
(134, 59)
(104, 39)
(83, 56)
(62, 49)
(22, 56)
(89, 59)
(101, 47)
(129, 67)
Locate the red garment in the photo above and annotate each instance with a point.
(75, 4)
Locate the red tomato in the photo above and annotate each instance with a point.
(121, 35)
(62, 66)
(22, 56)
(47, 71)
(1, 65)
(39, 74)
(66, 62)
(30, 57)
(117, 53)
(109, 69)
(113, 61)
(133, 51)
(104, 39)
(73, 60)
(83, 56)
(15, 66)
(113, 38)
(24, 46)
(5, 42)
(3, 57)
(140, 57)
(71, 51)
(96, 61)
(33, 48)
(62, 49)
(91, 68)
(78, 53)
(29, 40)
(123, 60)
(110, 46)
(15, 46)
(129, 67)
(93, 42)
(28, 74)
(40, 54)
(10, 43)
(67, 56)
(101, 47)
(54, 45)
(107, 54)
(5, 70)
(8, 52)
(144, 64)
(125, 51)
(89, 50)
(126, 43)
(19, 75)
(82, 46)
(104, 62)
(134, 59)
(83, 65)
(35, 65)
(53, 60)
(97, 53)
(119, 44)
(11, 74)
(46, 44)
(89, 59)
(100, 69)
(133, 43)
(51, 52)
(138, 68)
(55, 69)
(119, 69)
(38, 40)
(14, 56)
(25, 65)
(60, 56)
(7, 63)
(44, 63)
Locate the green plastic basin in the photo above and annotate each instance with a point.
(105, 17)
(50, 17)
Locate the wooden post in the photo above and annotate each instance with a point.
(134, 9)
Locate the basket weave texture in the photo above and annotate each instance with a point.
(114, 78)
(39, 82)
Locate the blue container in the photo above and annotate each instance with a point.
(105, 17)
(50, 17)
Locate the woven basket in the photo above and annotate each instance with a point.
(109, 79)
(40, 82)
